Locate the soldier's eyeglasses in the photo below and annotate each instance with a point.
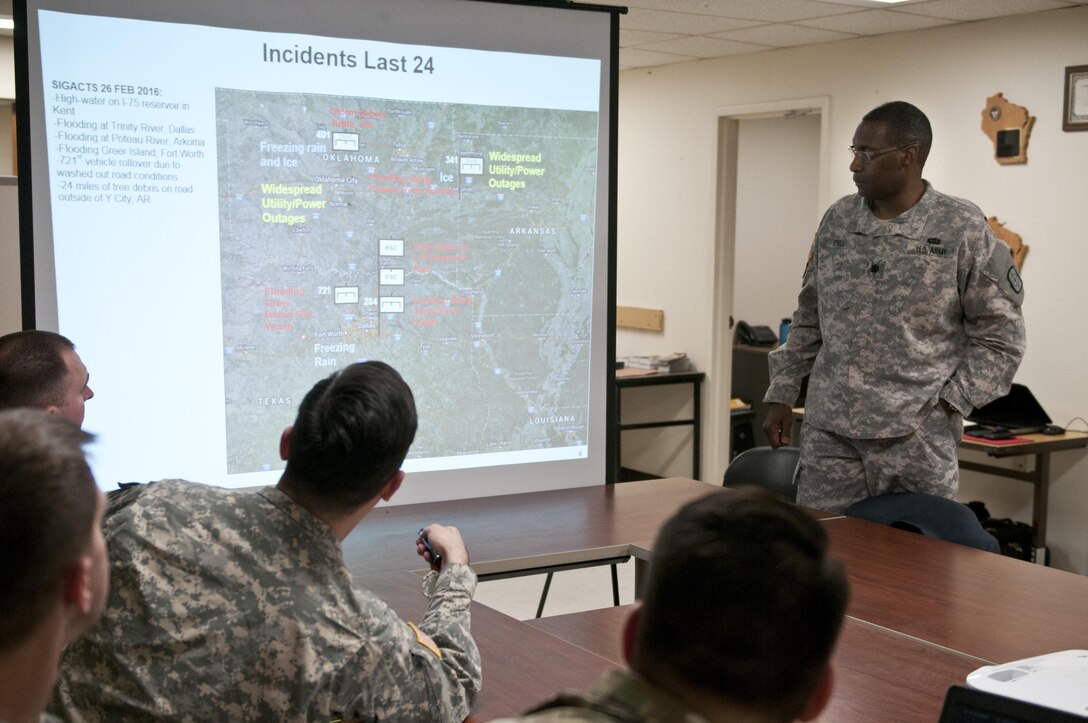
(868, 156)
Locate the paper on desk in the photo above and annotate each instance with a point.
(633, 372)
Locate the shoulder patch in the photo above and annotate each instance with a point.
(426, 641)
(811, 256)
(1014, 279)
(1002, 272)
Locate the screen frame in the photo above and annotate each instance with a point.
(36, 260)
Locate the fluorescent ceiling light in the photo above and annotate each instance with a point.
(873, 3)
(7, 24)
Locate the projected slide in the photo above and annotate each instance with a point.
(443, 238)
(228, 214)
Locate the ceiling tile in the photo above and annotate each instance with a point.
(701, 46)
(874, 22)
(774, 11)
(967, 10)
(634, 38)
(781, 35)
(639, 58)
(684, 23)
(661, 32)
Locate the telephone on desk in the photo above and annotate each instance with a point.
(755, 335)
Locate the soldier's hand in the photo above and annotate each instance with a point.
(445, 542)
(778, 426)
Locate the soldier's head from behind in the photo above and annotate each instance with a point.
(41, 369)
(54, 573)
(742, 608)
(350, 437)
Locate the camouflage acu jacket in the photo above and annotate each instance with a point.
(618, 696)
(230, 605)
(894, 314)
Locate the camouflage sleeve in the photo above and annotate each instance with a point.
(448, 623)
(994, 326)
(789, 364)
(119, 499)
(425, 673)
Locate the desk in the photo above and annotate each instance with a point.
(695, 379)
(923, 613)
(521, 665)
(1040, 446)
(749, 381)
(875, 669)
(981, 604)
(526, 532)
(518, 533)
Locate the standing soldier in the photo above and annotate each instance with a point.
(908, 318)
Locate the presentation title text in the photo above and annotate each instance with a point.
(308, 55)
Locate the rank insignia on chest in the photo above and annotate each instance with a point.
(876, 268)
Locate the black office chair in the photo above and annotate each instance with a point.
(772, 469)
(927, 514)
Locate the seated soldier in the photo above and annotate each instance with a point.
(236, 605)
(741, 611)
(53, 569)
(41, 369)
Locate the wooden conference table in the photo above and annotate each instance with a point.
(923, 613)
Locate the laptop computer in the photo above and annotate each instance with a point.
(967, 705)
(1018, 412)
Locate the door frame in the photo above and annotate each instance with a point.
(721, 367)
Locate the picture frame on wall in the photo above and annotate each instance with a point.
(1075, 112)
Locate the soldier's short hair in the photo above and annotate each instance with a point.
(32, 369)
(351, 435)
(904, 123)
(742, 601)
(48, 500)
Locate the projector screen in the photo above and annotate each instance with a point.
(227, 201)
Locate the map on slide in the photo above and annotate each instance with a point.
(454, 242)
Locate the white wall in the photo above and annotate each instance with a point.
(10, 309)
(7, 67)
(778, 160)
(668, 138)
(7, 131)
(7, 95)
(668, 163)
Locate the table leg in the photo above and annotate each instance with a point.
(618, 431)
(642, 567)
(697, 431)
(1041, 481)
